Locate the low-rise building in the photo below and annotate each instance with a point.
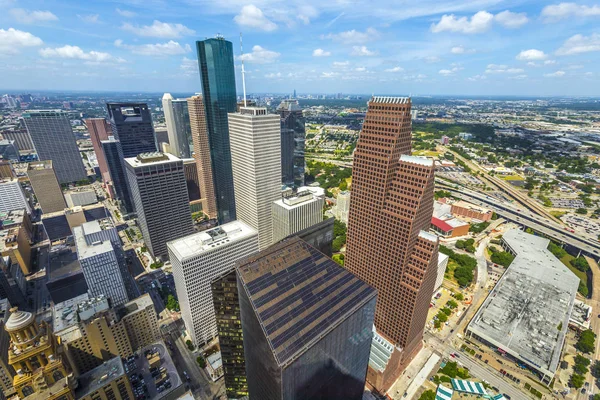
(450, 227)
(468, 210)
(295, 212)
(106, 381)
(81, 198)
(12, 196)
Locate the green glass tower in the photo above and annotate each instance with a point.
(215, 60)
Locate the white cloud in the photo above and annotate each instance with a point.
(329, 74)
(511, 20)
(395, 69)
(260, 55)
(90, 19)
(531, 55)
(502, 69)
(448, 72)
(169, 48)
(556, 74)
(341, 64)
(159, 29)
(549, 62)
(11, 40)
(273, 75)
(461, 50)
(478, 23)
(76, 53)
(189, 67)
(432, 59)
(578, 44)
(560, 11)
(477, 78)
(29, 17)
(252, 17)
(362, 51)
(518, 77)
(306, 12)
(321, 53)
(360, 69)
(125, 13)
(354, 36)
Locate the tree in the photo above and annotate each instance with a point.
(555, 249)
(583, 289)
(576, 381)
(460, 244)
(190, 345)
(442, 317)
(338, 243)
(446, 311)
(480, 227)
(581, 264)
(437, 324)
(596, 369)
(581, 211)
(581, 364)
(459, 296)
(503, 258)
(201, 361)
(427, 395)
(494, 216)
(339, 228)
(172, 303)
(343, 185)
(586, 342)
(451, 304)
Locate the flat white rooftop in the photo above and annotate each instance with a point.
(84, 250)
(427, 162)
(209, 240)
(146, 159)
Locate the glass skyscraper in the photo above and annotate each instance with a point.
(116, 168)
(293, 137)
(132, 126)
(215, 60)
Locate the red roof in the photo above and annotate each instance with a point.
(438, 223)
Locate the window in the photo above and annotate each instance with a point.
(27, 391)
(57, 375)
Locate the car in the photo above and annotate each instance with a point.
(452, 355)
(583, 390)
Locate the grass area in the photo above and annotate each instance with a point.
(512, 178)
(449, 274)
(567, 261)
(557, 214)
(426, 153)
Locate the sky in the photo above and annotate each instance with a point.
(418, 47)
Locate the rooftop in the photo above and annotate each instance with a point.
(154, 158)
(12, 218)
(64, 315)
(99, 225)
(299, 295)
(201, 242)
(100, 376)
(39, 165)
(470, 206)
(84, 250)
(534, 296)
(390, 99)
(296, 200)
(63, 261)
(427, 162)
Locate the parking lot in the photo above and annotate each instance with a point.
(156, 380)
(457, 174)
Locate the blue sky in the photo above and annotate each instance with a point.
(478, 47)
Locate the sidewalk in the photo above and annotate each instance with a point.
(412, 370)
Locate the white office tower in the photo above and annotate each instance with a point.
(255, 140)
(100, 265)
(295, 212)
(12, 196)
(342, 206)
(160, 197)
(177, 118)
(196, 261)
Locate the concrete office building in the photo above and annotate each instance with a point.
(342, 206)
(99, 130)
(100, 264)
(197, 260)
(178, 126)
(293, 137)
(19, 135)
(388, 244)
(217, 74)
(107, 381)
(159, 192)
(16, 238)
(9, 150)
(533, 297)
(295, 212)
(256, 163)
(12, 196)
(132, 126)
(53, 139)
(46, 186)
(7, 372)
(116, 167)
(202, 155)
(307, 324)
(81, 198)
(6, 171)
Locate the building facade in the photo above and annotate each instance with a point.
(99, 130)
(293, 137)
(132, 126)
(202, 155)
(256, 164)
(159, 192)
(197, 260)
(217, 74)
(53, 139)
(20, 136)
(306, 322)
(116, 167)
(7, 372)
(296, 212)
(388, 245)
(108, 381)
(342, 206)
(12, 196)
(190, 168)
(178, 126)
(46, 186)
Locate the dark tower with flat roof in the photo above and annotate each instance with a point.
(132, 126)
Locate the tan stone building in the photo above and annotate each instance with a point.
(107, 381)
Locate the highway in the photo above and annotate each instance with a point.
(538, 224)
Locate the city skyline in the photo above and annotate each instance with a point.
(512, 47)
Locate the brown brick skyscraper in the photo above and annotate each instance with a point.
(99, 130)
(202, 155)
(388, 247)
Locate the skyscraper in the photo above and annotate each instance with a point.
(53, 139)
(116, 167)
(295, 212)
(132, 126)
(46, 186)
(178, 126)
(215, 59)
(293, 137)
(202, 155)
(159, 192)
(307, 324)
(190, 168)
(99, 130)
(388, 244)
(197, 260)
(256, 164)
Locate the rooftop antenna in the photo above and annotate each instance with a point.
(243, 71)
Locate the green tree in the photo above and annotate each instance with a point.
(586, 342)
(446, 311)
(427, 395)
(581, 211)
(442, 317)
(581, 364)
(494, 216)
(459, 296)
(555, 249)
(576, 381)
(451, 304)
(437, 323)
(172, 303)
(583, 289)
(581, 264)
(480, 227)
(201, 362)
(339, 228)
(343, 185)
(503, 258)
(190, 345)
(595, 369)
